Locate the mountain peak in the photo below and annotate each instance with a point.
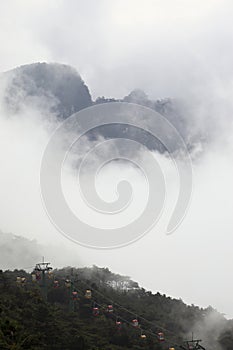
(136, 95)
(58, 84)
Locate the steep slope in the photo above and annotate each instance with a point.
(59, 90)
(54, 86)
(67, 322)
(173, 110)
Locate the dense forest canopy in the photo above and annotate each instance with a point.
(31, 321)
(66, 320)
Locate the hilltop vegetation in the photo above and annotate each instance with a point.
(30, 322)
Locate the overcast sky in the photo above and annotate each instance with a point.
(172, 48)
(163, 46)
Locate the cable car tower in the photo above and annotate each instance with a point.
(43, 268)
(193, 344)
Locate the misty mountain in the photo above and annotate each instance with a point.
(59, 89)
(17, 251)
(29, 321)
(173, 110)
(54, 86)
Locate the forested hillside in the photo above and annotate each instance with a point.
(92, 308)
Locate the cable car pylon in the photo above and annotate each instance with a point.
(193, 344)
(43, 268)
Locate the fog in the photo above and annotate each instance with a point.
(167, 48)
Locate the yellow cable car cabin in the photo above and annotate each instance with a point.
(68, 283)
(21, 281)
(88, 294)
(50, 274)
(33, 277)
(18, 280)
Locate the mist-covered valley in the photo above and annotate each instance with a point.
(155, 80)
(30, 114)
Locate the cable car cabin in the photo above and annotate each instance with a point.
(135, 323)
(118, 324)
(50, 274)
(88, 294)
(161, 336)
(110, 309)
(95, 311)
(18, 280)
(55, 284)
(38, 276)
(68, 283)
(23, 280)
(75, 295)
(143, 336)
(33, 277)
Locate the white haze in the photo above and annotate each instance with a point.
(167, 47)
(188, 54)
(194, 263)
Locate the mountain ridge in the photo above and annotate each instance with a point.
(59, 89)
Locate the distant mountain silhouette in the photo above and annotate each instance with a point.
(59, 89)
(59, 86)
